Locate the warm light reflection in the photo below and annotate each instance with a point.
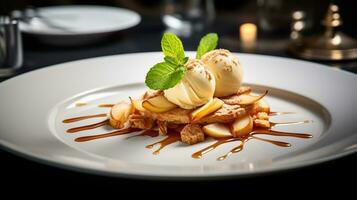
(248, 34)
(336, 40)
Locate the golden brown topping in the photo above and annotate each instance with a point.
(260, 106)
(176, 116)
(141, 122)
(192, 134)
(262, 115)
(244, 90)
(226, 114)
(162, 127)
(262, 123)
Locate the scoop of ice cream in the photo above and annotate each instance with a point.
(195, 89)
(226, 69)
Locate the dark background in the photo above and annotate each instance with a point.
(17, 172)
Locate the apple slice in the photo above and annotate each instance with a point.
(161, 101)
(158, 104)
(242, 126)
(217, 130)
(261, 106)
(211, 106)
(119, 114)
(247, 99)
(137, 104)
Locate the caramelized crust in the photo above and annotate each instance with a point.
(244, 90)
(226, 114)
(162, 127)
(234, 99)
(192, 134)
(141, 122)
(176, 116)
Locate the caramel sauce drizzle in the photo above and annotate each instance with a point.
(88, 127)
(76, 119)
(170, 138)
(280, 113)
(80, 104)
(106, 105)
(105, 135)
(149, 132)
(273, 124)
(280, 133)
(174, 136)
(211, 147)
(250, 136)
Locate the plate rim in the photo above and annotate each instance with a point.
(212, 176)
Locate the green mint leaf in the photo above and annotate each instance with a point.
(207, 43)
(184, 60)
(164, 75)
(167, 74)
(174, 61)
(172, 46)
(171, 60)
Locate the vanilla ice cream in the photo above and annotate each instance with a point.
(195, 89)
(226, 69)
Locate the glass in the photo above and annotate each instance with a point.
(184, 17)
(275, 16)
(10, 46)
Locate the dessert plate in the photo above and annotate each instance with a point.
(34, 105)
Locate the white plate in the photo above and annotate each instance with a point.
(33, 106)
(82, 23)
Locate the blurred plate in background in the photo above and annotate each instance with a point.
(79, 24)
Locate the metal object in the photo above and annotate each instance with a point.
(11, 55)
(330, 45)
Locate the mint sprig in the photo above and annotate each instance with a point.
(164, 75)
(172, 46)
(207, 43)
(167, 74)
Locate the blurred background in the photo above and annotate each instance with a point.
(270, 27)
(229, 12)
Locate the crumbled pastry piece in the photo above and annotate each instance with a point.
(260, 106)
(175, 127)
(254, 117)
(226, 114)
(262, 123)
(192, 134)
(162, 127)
(141, 122)
(116, 124)
(262, 115)
(231, 100)
(244, 90)
(176, 116)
